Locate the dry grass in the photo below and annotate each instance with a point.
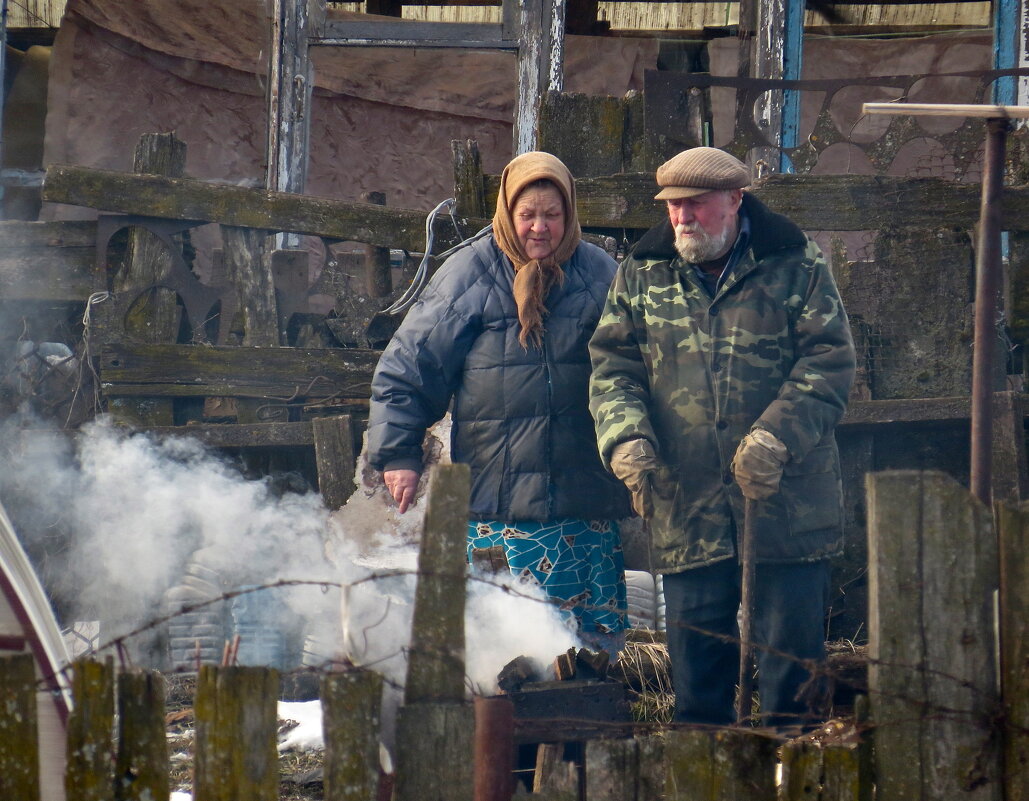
(644, 668)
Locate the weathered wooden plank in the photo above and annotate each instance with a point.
(585, 132)
(434, 750)
(932, 680)
(88, 775)
(1013, 526)
(251, 275)
(814, 202)
(469, 189)
(235, 734)
(189, 199)
(435, 668)
(378, 276)
(1009, 471)
(555, 777)
(351, 704)
(19, 730)
(813, 772)
(47, 260)
(141, 770)
(187, 370)
(155, 316)
(711, 766)
(235, 435)
(930, 411)
(290, 81)
(414, 33)
(334, 455)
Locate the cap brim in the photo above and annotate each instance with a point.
(676, 192)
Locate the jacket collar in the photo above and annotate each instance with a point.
(769, 232)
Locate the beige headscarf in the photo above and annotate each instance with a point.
(534, 277)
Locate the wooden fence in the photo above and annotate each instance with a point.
(947, 720)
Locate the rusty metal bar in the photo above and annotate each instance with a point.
(987, 286)
(494, 748)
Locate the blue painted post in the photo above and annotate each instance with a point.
(1005, 49)
(793, 49)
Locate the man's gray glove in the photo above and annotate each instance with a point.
(634, 461)
(758, 464)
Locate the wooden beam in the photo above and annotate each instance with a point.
(251, 435)
(815, 203)
(414, 33)
(189, 199)
(195, 370)
(334, 455)
(47, 260)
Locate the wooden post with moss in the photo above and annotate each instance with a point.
(351, 713)
(88, 776)
(713, 765)
(932, 677)
(141, 768)
(19, 731)
(435, 726)
(154, 317)
(235, 734)
(334, 455)
(1013, 525)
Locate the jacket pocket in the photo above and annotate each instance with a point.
(812, 491)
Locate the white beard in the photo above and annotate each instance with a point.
(701, 246)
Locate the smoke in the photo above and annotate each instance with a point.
(114, 521)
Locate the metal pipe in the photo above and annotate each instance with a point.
(494, 748)
(987, 287)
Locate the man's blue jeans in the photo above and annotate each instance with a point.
(703, 639)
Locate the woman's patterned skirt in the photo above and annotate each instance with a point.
(578, 563)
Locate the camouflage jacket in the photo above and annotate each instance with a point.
(693, 374)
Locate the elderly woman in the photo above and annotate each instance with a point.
(501, 332)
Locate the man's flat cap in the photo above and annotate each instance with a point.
(699, 170)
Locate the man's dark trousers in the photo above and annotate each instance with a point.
(788, 626)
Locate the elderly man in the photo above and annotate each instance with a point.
(721, 366)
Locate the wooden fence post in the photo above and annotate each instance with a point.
(351, 709)
(235, 756)
(155, 317)
(141, 770)
(812, 772)
(469, 189)
(612, 770)
(932, 678)
(555, 778)
(1014, 642)
(435, 725)
(711, 766)
(378, 275)
(19, 732)
(88, 776)
(334, 455)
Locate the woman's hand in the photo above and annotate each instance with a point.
(401, 485)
